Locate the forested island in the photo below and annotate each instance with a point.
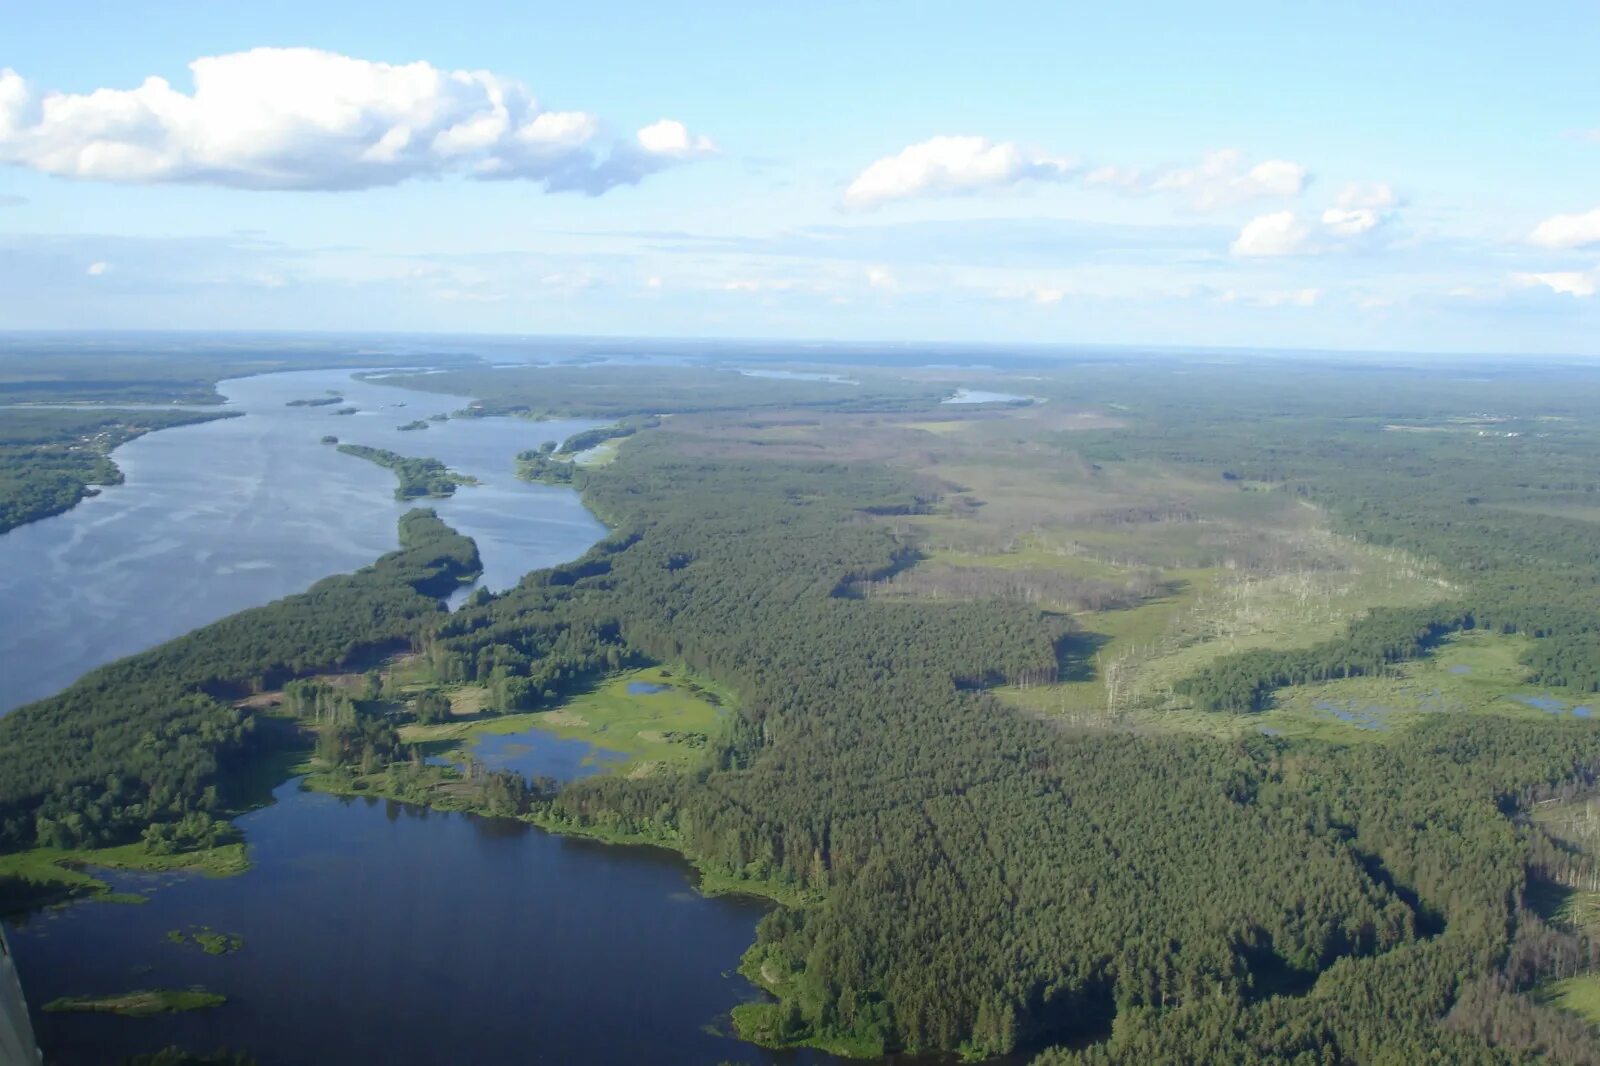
(1229, 715)
(418, 477)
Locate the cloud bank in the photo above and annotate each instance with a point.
(299, 118)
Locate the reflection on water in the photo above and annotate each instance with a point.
(229, 514)
(379, 932)
(536, 753)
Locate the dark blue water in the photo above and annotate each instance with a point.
(375, 932)
(644, 688)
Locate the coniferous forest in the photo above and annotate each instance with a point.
(966, 870)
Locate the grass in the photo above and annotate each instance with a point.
(1580, 995)
(141, 1004)
(658, 732)
(601, 454)
(64, 869)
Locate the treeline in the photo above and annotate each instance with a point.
(590, 438)
(1044, 588)
(147, 739)
(49, 458)
(1387, 635)
(418, 477)
(990, 882)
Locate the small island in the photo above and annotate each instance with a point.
(207, 939)
(346, 411)
(330, 439)
(420, 423)
(418, 477)
(320, 401)
(141, 1004)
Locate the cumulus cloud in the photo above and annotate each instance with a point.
(1360, 208)
(1568, 231)
(300, 118)
(1578, 283)
(1276, 234)
(945, 165)
(1222, 180)
(97, 269)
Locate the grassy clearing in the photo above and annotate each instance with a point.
(141, 1004)
(1580, 995)
(665, 731)
(600, 454)
(670, 728)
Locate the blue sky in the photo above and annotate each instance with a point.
(1380, 176)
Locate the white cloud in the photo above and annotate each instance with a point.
(945, 165)
(1360, 208)
(97, 269)
(1566, 282)
(1568, 231)
(1280, 233)
(881, 278)
(300, 118)
(1222, 180)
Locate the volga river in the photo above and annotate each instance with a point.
(373, 932)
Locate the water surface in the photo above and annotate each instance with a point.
(381, 933)
(237, 512)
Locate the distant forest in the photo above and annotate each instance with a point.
(984, 880)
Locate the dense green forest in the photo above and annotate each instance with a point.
(978, 878)
(163, 723)
(418, 477)
(50, 457)
(180, 369)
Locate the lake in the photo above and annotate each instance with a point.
(374, 932)
(378, 932)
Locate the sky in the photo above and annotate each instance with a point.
(1397, 177)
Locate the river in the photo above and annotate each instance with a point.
(229, 514)
(373, 932)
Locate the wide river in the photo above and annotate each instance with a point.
(373, 932)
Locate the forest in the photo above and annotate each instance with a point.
(165, 728)
(969, 876)
(418, 477)
(51, 458)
